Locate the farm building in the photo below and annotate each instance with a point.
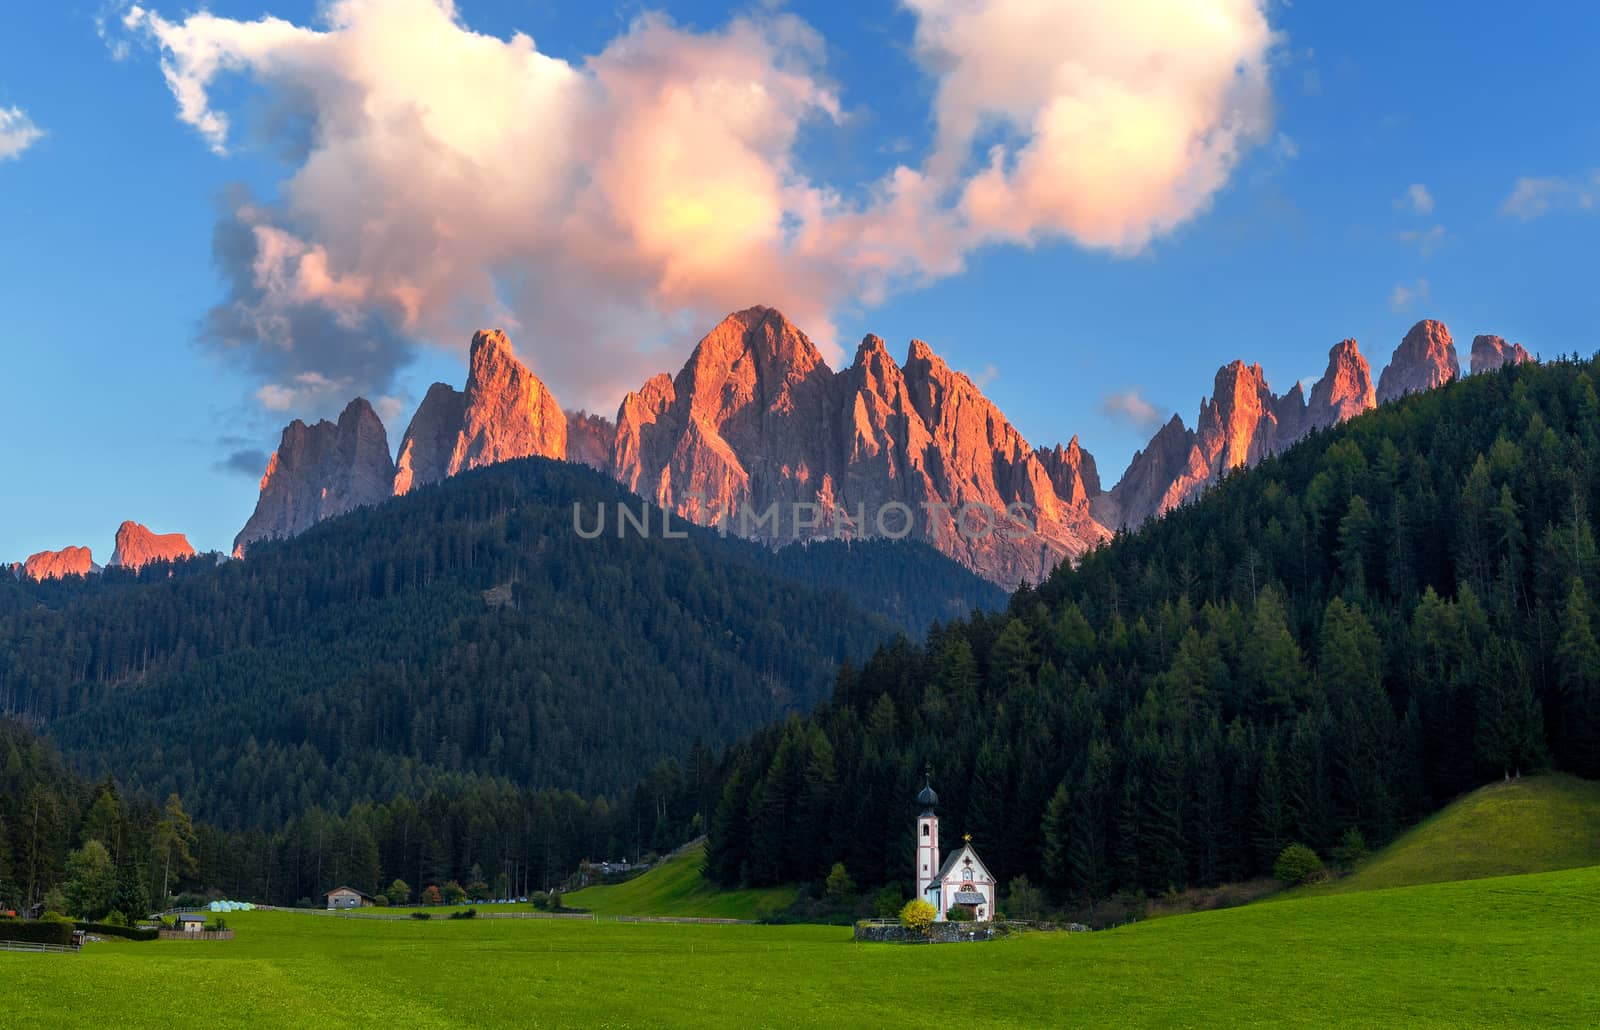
(190, 922)
(347, 897)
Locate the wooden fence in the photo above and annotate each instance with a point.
(196, 935)
(706, 920)
(55, 949)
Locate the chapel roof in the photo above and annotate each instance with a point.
(955, 856)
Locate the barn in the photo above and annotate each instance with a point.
(347, 897)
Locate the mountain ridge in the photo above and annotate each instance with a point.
(756, 431)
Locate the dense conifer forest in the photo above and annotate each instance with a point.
(1335, 642)
(463, 631)
(88, 848)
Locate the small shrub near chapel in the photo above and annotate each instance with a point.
(1296, 865)
(960, 913)
(917, 916)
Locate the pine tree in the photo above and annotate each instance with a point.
(1578, 678)
(1510, 730)
(174, 844)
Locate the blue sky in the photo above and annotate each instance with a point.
(119, 407)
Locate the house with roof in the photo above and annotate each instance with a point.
(190, 922)
(347, 897)
(961, 879)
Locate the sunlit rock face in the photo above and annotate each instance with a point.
(1143, 488)
(137, 546)
(430, 438)
(757, 418)
(69, 561)
(1345, 389)
(1426, 358)
(590, 439)
(320, 471)
(1071, 469)
(756, 423)
(1491, 352)
(1241, 422)
(508, 412)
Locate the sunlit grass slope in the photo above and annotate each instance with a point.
(1533, 824)
(676, 888)
(1512, 951)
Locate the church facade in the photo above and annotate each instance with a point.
(961, 879)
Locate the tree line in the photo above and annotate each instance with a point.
(88, 848)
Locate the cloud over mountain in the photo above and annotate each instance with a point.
(437, 177)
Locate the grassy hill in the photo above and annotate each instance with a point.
(1509, 951)
(1533, 824)
(676, 888)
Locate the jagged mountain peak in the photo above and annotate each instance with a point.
(137, 546)
(1491, 352)
(1426, 358)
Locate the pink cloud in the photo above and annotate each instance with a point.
(439, 178)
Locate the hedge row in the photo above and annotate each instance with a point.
(36, 931)
(132, 933)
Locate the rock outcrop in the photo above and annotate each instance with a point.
(1071, 470)
(1426, 358)
(1345, 389)
(69, 561)
(757, 430)
(430, 438)
(137, 547)
(320, 471)
(1490, 352)
(590, 439)
(508, 413)
(1241, 423)
(1143, 488)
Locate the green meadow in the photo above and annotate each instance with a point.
(1527, 825)
(1492, 952)
(676, 888)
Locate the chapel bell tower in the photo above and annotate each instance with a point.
(927, 880)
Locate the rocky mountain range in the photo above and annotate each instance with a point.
(757, 433)
(135, 547)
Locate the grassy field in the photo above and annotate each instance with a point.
(1529, 825)
(1514, 951)
(676, 888)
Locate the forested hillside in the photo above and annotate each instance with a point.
(465, 629)
(87, 848)
(1343, 638)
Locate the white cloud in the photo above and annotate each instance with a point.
(17, 132)
(1533, 197)
(1405, 295)
(1425, 240)
(1119, 121)
(1416, 199)
(439, 178)
(1131, 409)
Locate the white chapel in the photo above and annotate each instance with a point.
(962, 879)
